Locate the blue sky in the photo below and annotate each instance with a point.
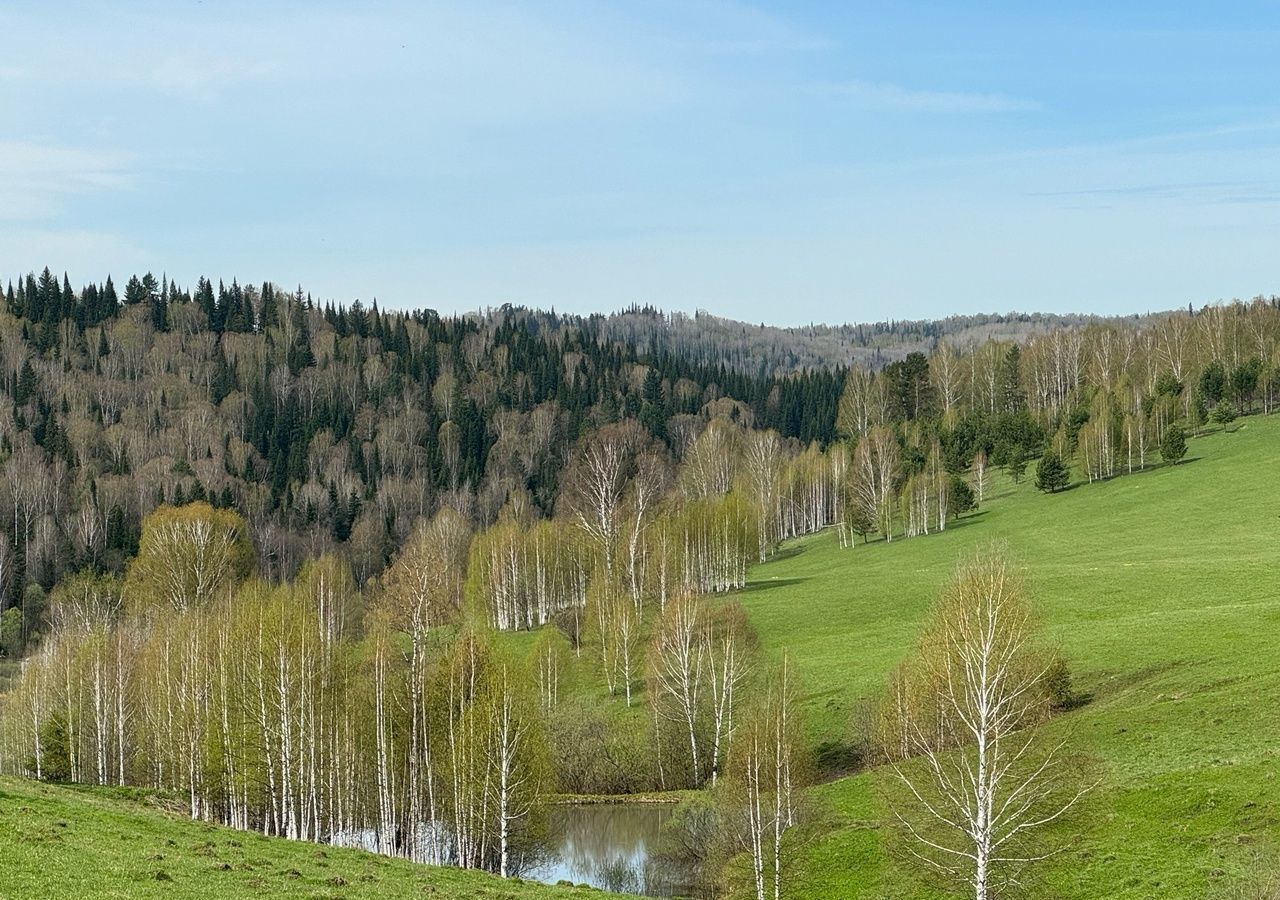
(781, 163)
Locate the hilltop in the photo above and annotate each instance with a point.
(773, 350)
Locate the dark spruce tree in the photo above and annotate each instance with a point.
(1051, 473)
(1173, 446)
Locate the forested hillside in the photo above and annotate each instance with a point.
(767, 349)
(339, 426)
(325, 426)
(281, 559)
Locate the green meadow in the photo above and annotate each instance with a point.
(1162, 588)
(62, 843)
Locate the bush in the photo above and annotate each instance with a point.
(693, 840)
(595, 753)
(1057, 684)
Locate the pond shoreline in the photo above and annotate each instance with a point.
(669, 798)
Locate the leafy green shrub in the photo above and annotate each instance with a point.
(1057, 685)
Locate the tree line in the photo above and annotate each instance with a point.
(330, 428)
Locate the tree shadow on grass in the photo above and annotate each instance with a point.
(1075, 701)
(1150, 467)
(768, 584)
(969, 518)
(789, 552)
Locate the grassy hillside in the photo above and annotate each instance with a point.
(60, 842)
(1163, 590)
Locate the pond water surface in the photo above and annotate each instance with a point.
(610, 846)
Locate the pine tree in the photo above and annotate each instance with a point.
(134, 292)
(1052, 474)
(1173, 446)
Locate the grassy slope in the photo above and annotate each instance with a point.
(1163, 589)
(58, 842)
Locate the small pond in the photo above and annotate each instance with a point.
(610, 846)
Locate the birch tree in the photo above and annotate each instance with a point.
(596, 484)
(874, 477)
(677, 667)
(980, 475)
(982, 783)
(189, 554)
(766, 777)
(648, 486)
(762, 460)
(698, 660)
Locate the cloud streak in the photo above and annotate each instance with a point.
(40, 177)
(883, 96)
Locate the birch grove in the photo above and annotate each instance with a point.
(698, 659)
(294, 709)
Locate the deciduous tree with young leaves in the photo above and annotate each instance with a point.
(977, 782)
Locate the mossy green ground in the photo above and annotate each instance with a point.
(76, 843)
(1163, 590)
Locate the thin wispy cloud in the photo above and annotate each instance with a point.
(1193, 193)
(1151, 190)
(889, 97)
(204, 77)
(740, 29)
(39, 177)
(762, 45)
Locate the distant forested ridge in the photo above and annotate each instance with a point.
(334, 428)
(769, 349)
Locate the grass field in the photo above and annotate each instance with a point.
(64, 842)
(1163, 590)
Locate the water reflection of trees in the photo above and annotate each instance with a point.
(611, 846)
(620, 876)
(591, 833)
